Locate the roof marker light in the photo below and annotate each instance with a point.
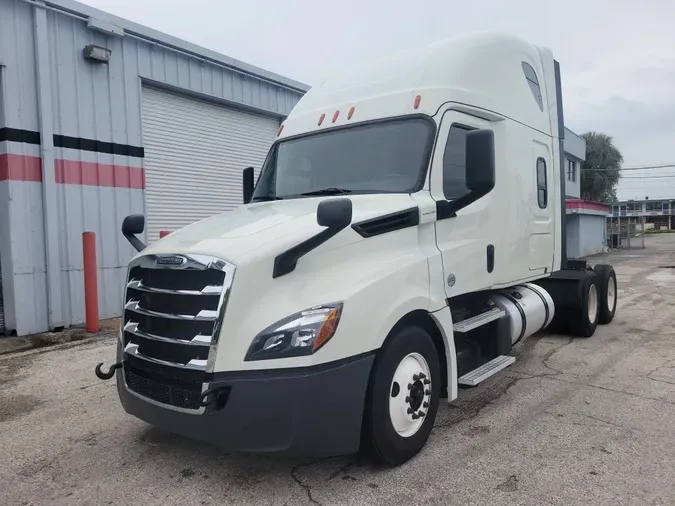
(335, 116)
(280, 130)
(350, 113)
(321, 118)
(416, 103)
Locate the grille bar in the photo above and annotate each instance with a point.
(198, 340)
(132, 349)
(203, 315)
(137, 284)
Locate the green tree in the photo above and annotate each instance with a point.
(600, 173)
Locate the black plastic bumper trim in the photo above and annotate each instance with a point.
(305, 412)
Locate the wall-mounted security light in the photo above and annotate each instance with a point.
(97, 53)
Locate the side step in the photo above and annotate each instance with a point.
(480, 319)
(472, 378)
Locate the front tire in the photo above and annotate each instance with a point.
(403, 397)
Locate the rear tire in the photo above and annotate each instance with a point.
(586, 320)
(393, 431)
(607, 288)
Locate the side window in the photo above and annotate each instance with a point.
(542, 186)
(533, 82)
(454, 163)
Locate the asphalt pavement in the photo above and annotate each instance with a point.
(573, 421)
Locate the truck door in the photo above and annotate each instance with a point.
(541, 204)
(467, 241)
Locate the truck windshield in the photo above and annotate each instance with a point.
(383, 157)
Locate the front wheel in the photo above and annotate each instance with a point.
(403, 396)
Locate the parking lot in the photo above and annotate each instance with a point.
(574, 421)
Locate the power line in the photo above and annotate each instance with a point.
(644, 178)
(646, 167)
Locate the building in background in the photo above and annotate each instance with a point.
(586, 221)
(575, 155)
(659, 213)
(101, 118)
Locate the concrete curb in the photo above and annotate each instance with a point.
(73, 334)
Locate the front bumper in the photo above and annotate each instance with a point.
(304, 412)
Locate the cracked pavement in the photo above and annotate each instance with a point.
(573, 421)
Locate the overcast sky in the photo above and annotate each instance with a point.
(617, 57)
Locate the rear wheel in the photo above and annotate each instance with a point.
(586, 320)
(607, 291)
(403, 397)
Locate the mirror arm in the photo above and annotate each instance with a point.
(135, 242)
(285, 262)
(448, 208)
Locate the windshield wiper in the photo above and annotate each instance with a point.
(265, 198)
(328, 191)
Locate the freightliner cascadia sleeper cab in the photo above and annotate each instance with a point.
(405, 231)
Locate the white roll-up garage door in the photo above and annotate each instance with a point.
(194, 154)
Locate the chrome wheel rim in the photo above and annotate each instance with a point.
(410, 395)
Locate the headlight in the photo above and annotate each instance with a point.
(300, 334)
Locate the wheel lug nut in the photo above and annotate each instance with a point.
(427, 392)
(407, 399)
(415, 377)
(410, 411)
(425, 404)
(415, 416)
(427, 382)
(421, 414)
(422, 375)
(410, 386)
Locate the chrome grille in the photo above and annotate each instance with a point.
(173, 307)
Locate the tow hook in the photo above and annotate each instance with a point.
(107, 375)
(216, 396)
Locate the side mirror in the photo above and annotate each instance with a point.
(248, 184)
(335, 214)
(480, 161)
(132, 225)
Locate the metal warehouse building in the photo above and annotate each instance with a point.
(101, 118)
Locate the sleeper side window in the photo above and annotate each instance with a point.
(454, 163)
(542, 184)
(533, 82)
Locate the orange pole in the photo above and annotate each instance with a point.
(163, 233)
(90, 281)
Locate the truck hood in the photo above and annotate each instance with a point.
(231, 234)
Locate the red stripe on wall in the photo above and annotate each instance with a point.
(20, 168)
(586, 204)
(99, 174)
(29, 169)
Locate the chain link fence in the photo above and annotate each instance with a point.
(626, 232)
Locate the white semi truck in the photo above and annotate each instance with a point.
(406, 230)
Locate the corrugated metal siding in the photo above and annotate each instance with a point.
(103, 103)
(17, 54)
(592, 230)
(194, 155)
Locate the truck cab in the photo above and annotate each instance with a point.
(405, 231)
